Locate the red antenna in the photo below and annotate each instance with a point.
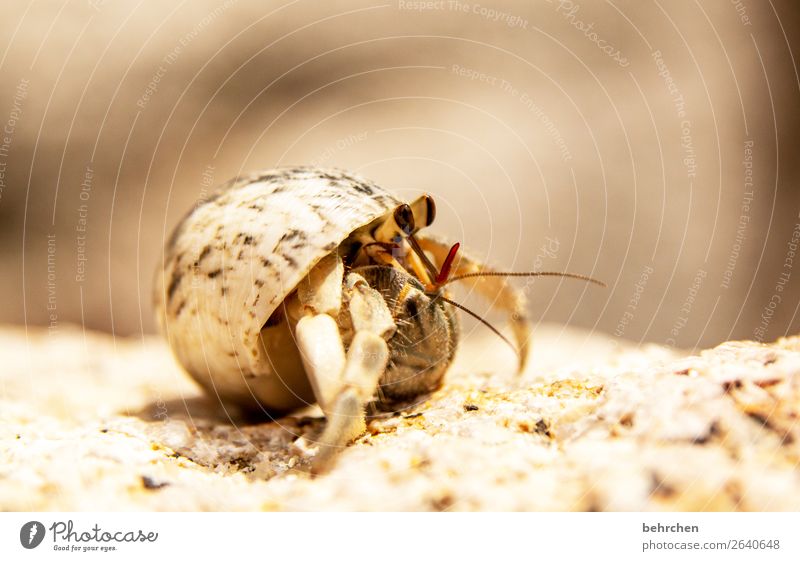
(444, 273)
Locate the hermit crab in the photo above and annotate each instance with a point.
(301, 285)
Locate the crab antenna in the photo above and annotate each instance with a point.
(529, 274)
(480, 319)
(441, 278)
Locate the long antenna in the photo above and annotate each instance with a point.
(529, 274)
(480, 319)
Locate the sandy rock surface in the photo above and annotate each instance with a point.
(96, 423)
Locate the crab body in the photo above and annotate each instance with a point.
(298, 285)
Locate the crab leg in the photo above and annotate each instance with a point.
(323, 356)
(342, 383)
(366, 362)
(496, 289)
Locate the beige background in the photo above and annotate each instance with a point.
(555, 157)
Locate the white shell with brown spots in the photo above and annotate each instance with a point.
(234, 259)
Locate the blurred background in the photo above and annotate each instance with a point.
(650, 144)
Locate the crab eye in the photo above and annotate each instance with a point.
(404, 217)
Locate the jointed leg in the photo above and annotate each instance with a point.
(342, 383)
(324, 360)
(495, 289)
(366, 362)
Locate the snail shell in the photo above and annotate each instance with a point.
(236, 256)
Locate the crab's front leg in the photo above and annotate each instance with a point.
(496, 289)
(342, 383)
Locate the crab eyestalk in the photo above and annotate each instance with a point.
(418, 260)
(403, 224)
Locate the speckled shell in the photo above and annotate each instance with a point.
(236, 256)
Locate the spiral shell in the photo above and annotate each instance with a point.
(235, 258)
